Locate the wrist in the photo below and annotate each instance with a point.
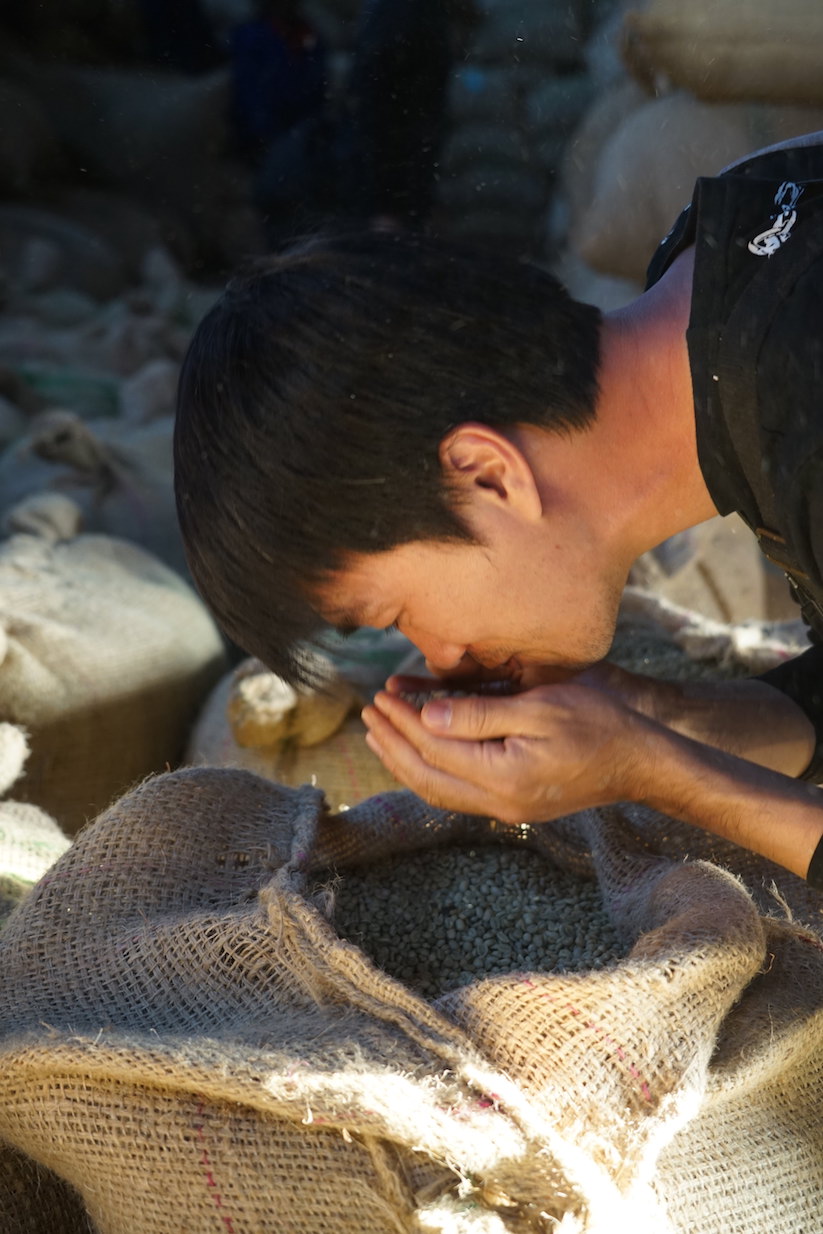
(662, 702)
(646, 765)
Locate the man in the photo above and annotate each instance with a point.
(380, 431)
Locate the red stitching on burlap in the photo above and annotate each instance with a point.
(645, 1089)
(205, 1161)
(400, 823)
(813, 942)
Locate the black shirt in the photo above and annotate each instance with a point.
(755, 341)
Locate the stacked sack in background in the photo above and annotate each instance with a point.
(686, 90)
(519, 83)
(105, 654)
(105, 650)
(517, 92)
(109, 149)
(575, 131)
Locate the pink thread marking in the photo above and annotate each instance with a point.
(620, 1053)
(205, 1161)
(812, 942)
(350, 770)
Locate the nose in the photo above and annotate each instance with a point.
(439, 655)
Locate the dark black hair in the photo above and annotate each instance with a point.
(314, 398)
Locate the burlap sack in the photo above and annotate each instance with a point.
(105, 655)
(646, 171)
(253, 720)
(585, 146)
(117, 472)
(30, 841)
(112, 341)
(188, 1045)
(745, 50)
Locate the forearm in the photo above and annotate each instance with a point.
(747, 718)
(751, 805)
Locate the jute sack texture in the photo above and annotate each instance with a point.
(105, 655)
(730, 50)
(119, 474)
(187, 1045)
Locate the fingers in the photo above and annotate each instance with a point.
(475, 760)
(487, 717)
(435, 784)
(527, 758)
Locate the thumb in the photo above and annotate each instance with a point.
(477, 717)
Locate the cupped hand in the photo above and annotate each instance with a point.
(648, 695)
(528, 757)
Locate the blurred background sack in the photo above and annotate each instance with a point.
(105, 654)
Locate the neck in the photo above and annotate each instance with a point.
(648, 445)
(632, 479)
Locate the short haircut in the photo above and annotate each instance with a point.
(314, 398)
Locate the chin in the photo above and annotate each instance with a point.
(595, 648)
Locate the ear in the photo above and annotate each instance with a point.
(484, 465)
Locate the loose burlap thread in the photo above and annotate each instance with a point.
(187, 1045)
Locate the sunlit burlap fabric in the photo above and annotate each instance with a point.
(187, 1044)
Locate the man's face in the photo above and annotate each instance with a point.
(503, 606)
